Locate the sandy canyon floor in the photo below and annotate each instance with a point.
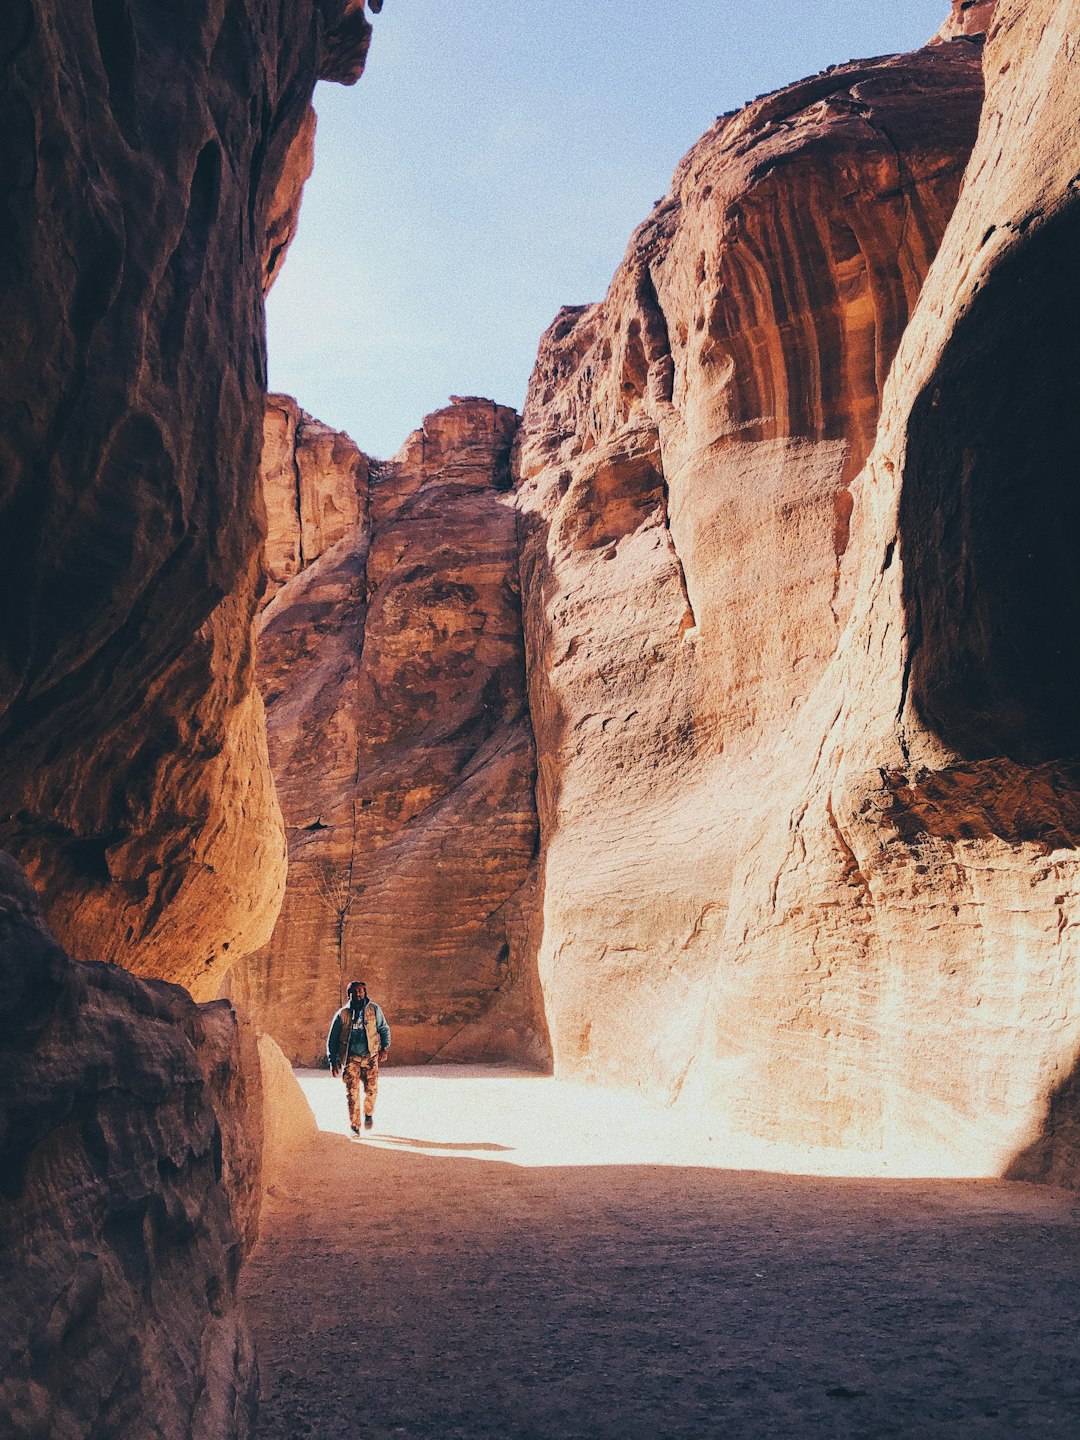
(510, 1256)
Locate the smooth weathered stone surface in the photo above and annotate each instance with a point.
(686, 460)
(807, 736)
(393, 671)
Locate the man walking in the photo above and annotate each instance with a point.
(359, 1038)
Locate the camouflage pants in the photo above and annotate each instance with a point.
(361, 1070)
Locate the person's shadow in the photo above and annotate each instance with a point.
(410, 1144)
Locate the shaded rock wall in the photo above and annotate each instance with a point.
(148, 165)
(153, 160)
(130, 1157)
(686, 458)
(393, 670)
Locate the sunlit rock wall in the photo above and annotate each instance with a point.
(314, 486)
(392, 664)
(129, 1188)
(686, 465)
(148, 167)
(807, 730)
(913, 892)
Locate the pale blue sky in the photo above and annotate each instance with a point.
(490, 166)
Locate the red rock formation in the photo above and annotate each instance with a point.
(968, 17)
(902, 931)
(130, 1157)
(393, 671)
(147, 172)
(151, 166)
(314, 484)
(686, 459)
(807, 737)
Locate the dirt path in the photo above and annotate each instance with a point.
(448, 1283)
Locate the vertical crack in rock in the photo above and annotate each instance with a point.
(660, 378)
(301, 558)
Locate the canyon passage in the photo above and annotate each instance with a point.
(524, 1256)
(689, 764)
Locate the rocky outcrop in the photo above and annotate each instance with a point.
(903, 956)
(130, 1164)
(968, 17)
(950, 768)
(314, 485)
(147, 172)
(284, 214)
(686, 458)
(393, 670)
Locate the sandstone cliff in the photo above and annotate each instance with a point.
(806, 736)
(149, 174)
(130, 1164)
(393, 669)
(686, 458)
(314, 486)
(152, 169)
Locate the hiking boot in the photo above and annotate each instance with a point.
(369, 1121)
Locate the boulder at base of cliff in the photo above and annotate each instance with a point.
(130, 1157)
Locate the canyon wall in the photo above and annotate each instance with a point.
(129, 1185)
(793, 505)
(686, 460)
(391, 659)
(153, 162)
(151, 170)
(806, 730)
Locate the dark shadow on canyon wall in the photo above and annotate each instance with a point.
(1053, 1157)
(990, 514)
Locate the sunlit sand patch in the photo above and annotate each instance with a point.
(482, 1112)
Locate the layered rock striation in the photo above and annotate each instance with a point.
(798, 608)
(686, 461)
(149, 171)
(130, 1155)
(392, 663)
(153, 160)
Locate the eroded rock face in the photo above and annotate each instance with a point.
(903, 928)
(130, 1154)
(393, 671)
(686, 458)
(848, 897)
(968, 17)
(147, 171)
(314, 485)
